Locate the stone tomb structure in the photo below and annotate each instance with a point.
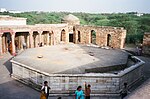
(104, 36)
(14, 33)
(146, 43)
(67, 66)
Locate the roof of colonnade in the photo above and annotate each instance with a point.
(36, 27)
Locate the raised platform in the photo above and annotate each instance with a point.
(65, 67)
(73, 59)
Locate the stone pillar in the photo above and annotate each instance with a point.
(31, 39)
(74, 37)
(47, 35)
(28, 41)
(53, 37)
(0, 44)
(88, 37)
(123, 37)
(13, 44)
(4, 49)
(22, 41)
(40, 36)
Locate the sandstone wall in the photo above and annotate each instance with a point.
(48, 34)
(118, 35)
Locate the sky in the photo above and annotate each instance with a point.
(90, 6)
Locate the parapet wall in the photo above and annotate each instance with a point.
(102, 83)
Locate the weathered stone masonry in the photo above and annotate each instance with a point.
(117, 35)
(102, 83)
(52, 34)
(31, 35)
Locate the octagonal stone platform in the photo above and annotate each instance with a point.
(73, 59)
(65, 67)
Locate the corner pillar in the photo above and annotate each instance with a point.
(13, 44)
(47, 35)
(54, 39)
(0, 44)
(123, 37)
(40, 36)
(31, 39)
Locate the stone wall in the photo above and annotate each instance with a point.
(117, 35)
(105, 36)
(102, 83)
(146, 43)
(48, 34)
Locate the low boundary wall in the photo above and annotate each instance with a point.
(102, 83)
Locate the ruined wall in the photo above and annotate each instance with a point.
(117, 39)
(48, 34)
(58, 33)
(102, 83)
(146, 43)
(55, 30)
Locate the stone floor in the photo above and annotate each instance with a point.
(10, 88)
(71, 58)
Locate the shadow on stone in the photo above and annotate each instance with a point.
(8, 65)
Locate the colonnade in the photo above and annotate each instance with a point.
(13, 41)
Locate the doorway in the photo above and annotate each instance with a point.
(93, 37)
(109, 40)
(63, 35)
(79, 36)
(70, 37)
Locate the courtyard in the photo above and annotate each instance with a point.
(72, 59)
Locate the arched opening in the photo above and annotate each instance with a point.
(70, 37)
(21, 40)
(35, 39)
(93, 37)
(109, 40)
(45, 38)
(63, 35)
(6, 43)
(79, 36)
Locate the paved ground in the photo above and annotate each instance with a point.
(11, 89)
